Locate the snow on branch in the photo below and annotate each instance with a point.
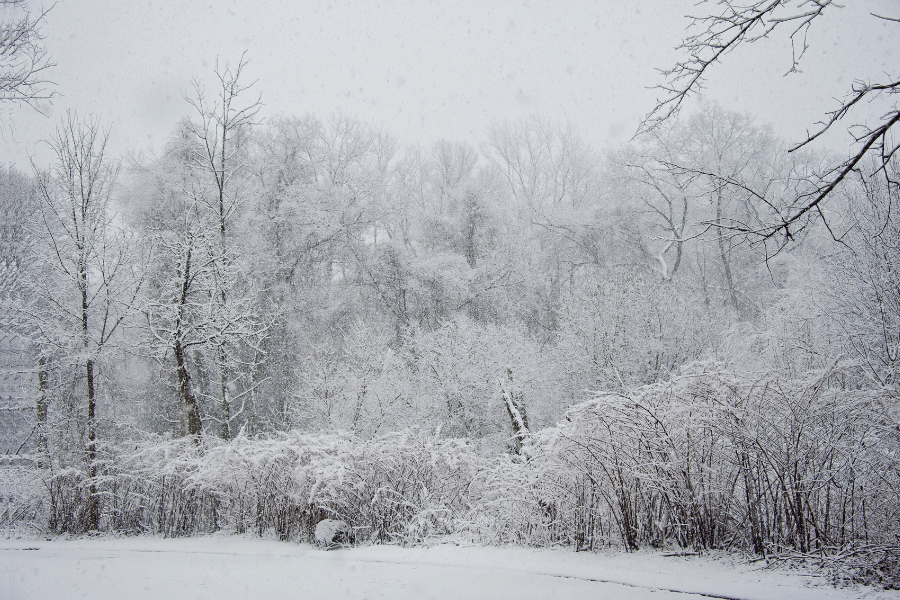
(730, 25)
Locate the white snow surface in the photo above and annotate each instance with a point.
(246, 568)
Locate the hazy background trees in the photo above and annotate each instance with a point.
(863, 294)
(24, 408)
(369, 285)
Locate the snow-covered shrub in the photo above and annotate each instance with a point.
(70, 500)
(588, 464)
(147, 485)
(713, 459)
(402, 487)
(708, 459)
(24, 500)
(511, 504)
(262, 485)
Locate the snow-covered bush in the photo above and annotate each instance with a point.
(24, 501)
(70, 500)
(712, 459)
(403, 487)
(262, 484)
(708, 459)
(148, 485)
(513, 503)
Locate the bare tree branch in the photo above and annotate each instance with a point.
(734, 25)
(24, 60)
(722, 33)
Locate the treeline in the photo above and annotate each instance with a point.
(708, 459)
(264, 284)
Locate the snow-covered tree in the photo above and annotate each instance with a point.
(87, 273)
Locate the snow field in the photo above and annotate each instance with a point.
(242, 568)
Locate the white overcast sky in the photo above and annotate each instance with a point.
(426, 70)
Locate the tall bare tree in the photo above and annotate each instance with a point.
(180, 278)
(87, 281)
(665, 196)
(223, 125)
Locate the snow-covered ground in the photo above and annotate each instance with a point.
(245, 568)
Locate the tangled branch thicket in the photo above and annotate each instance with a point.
(798, 469)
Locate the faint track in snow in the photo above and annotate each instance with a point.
(651, 588)
(330, 556)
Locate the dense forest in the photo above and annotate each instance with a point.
(274, 322)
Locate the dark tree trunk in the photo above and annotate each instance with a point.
(189, 407)
(43, 403)
(190, 410)
(723, 256)
(93, 506)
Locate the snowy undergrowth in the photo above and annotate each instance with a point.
(791, 471)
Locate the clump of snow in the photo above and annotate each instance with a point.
(331, 532)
